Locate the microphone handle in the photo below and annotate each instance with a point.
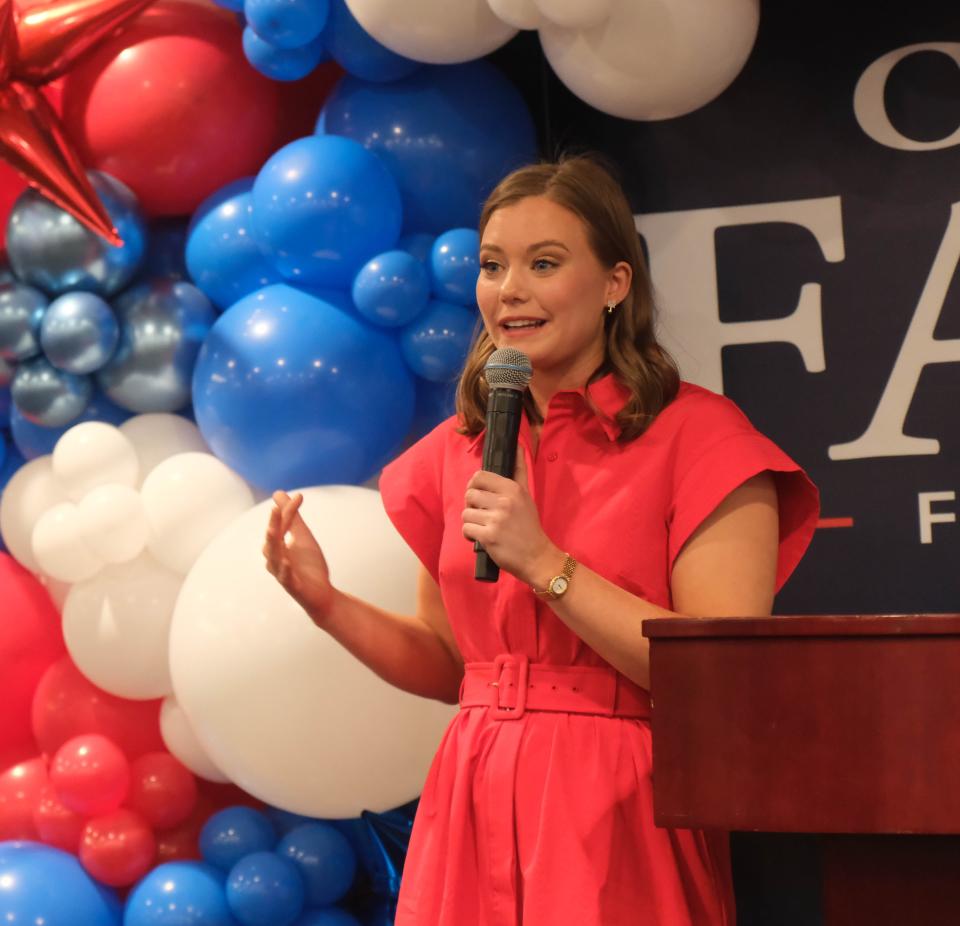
(504, 410)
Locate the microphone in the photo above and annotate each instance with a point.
(507, 372)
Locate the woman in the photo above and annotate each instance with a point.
(635, 497)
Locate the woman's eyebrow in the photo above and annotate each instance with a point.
(536, 246)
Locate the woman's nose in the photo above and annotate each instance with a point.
(512, 287)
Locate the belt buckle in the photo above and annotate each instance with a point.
(523, 674)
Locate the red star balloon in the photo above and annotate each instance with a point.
(38, 44)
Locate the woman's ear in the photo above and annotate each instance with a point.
(618, 284)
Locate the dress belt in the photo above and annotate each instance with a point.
(511, 685)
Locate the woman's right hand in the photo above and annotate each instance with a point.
(295, 559)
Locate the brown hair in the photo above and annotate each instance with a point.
(585, 187)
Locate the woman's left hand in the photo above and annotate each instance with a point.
(501, 514)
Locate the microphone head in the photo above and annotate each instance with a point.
(508, 368)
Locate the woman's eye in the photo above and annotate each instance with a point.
(543, 263)
(489, 266)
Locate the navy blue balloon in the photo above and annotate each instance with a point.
(235, 6)
(330, 916)
(454, 265)
(448, 135)
(435, 403)
(436, 342)
(34, 440)
(264, 889)
(282, 63)
(47, 396)
(79, 332)
(6, 377)
(234, 832)
(357, 52)
(179, 894)
(287, 23)
(166, 247)
(162, 325)
(40, 884)
(322, 208)
(291, 391)
(21, 309)
(325, 859)
(419, 244)
(222, 256)
(391, 289)
(286, 820)
(13, 459)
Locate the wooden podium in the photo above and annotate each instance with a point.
(846, 726)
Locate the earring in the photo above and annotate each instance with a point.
(610, 307)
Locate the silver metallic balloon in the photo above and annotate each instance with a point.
(21, 308)
(163, 322)
(79, 332)
(49, 248)
(48, 396)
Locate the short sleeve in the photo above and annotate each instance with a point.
(719, 451)
(412, 492)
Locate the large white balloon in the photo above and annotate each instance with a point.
(60, 545)
(521, 14)
(278, 705)
(179, 738)
(117, 627)
(576, 14)
(435, 31)
(158, 436)
(113, 522)
(188, 498)
(654, 59)
(31, 491)
(92, 454)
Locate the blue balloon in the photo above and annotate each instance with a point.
(391, 289)
(40, 884)
(6, 377)
(50, 249)
(419, 244)
(330, 916)
(235, 6)
(47, 396)
(357, 52)
(291, 391)
(325, 859)
(166, 247)
(286, 820)
(282, 63)
(162, 325)
(447, 134)
(21, 308)
(34, 440)
(454, 265)
(13, 460)
(79, 332)
(322, 208)
(264, 889)
(222, 257)
(435, 403)
(234, 832)
(179, 894)
(287, 23)
(435, 343)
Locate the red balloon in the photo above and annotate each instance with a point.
(302, 100)
(171, 107)
(162, 790)
(66, 704)
(30, 640)
(117, 848)
(20, 790)
(56, 824)
(90, 774)
(182, 842)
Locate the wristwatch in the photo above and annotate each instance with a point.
(558, 585)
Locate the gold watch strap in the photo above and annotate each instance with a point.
(569, 564)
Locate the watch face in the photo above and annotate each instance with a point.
(559, 585)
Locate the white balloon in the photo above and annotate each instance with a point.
(57, 591)
(188, 499)
(31, 491)
(279, 706)
(60, 546)
(576, 14)
(434, 31)
(155, 437)
(521, 14)
(92, 454)
(182, 742)
(113, 522)
(117, 627)
(654, 59)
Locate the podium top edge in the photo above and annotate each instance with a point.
(804, 625)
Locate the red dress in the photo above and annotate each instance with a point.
(546, 818)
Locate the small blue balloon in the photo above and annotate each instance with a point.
(322, 208)
(435, 343)
(222, 256)
(282, 63)
(329, 916)
(391, 289)
(50, 249)
(47, 396)
(287, 23)
(21, 307)
(40, 884)
(454, 265)
(166, 247)
(179, 894)
(264, 889)
(79, 332)
(357, 52)
(162, 325)
(234, 832)
(12, 461)
(419, 244)
(325, 859)
(286, 820)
